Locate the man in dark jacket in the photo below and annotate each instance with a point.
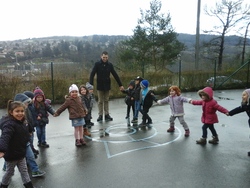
(102, 69)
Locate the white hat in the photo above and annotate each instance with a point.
(73, 87)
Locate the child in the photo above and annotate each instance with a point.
(31, 121)
(209, 116)
(137, 92)
(146, 100)
(30, 156)
(40, 114)
(244, 107)
(129, 100)
(77, 112)
(175, 100)
(84, 93)
(92, 101)
(13, 143)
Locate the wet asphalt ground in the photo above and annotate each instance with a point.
(151, 158)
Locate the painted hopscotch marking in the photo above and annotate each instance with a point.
(120, 130)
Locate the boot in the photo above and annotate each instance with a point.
(78, 143)
(28, 185)
(3, 186)
(82, 141)
(187, 133)
(86, 132)
(202, 141)
(171, 129)
(215, 140)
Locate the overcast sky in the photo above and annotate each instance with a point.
(21, 19)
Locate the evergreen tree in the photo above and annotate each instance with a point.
(154, 42)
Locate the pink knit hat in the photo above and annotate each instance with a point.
(38, 92)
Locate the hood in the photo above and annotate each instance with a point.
(132, 83)
(248, 92)
(207, 91)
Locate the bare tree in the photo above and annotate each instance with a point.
(229, 13)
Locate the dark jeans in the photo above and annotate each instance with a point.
(145, 117)
(204, 130)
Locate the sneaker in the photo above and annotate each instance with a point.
(187, 133)
(171, 129)
(108, 118)
(135, 120)
(35, 151)
(103, 133)
(141, 125)
(37, 174)
(149, 126)
(99, 118)
(44, 145)
(91, 124)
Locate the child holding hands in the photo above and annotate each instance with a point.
(13, 143)
(244, 107)
(209, 116)
(129, 100)
(175, 100)
(41, 108)
(77, 112)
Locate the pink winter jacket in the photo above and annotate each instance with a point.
(209, 107)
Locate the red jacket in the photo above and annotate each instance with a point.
(209, 107)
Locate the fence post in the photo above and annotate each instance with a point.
(52, 82)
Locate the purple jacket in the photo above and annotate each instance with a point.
(209, 107)
(176, 104)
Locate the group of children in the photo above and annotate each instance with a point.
(140, 99)
(209, 116)
(24, 115)
(209, 109)
(29, 112)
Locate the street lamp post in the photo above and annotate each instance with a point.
(197, 44)
(179, 57)
(52, 82)
(244, 45)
